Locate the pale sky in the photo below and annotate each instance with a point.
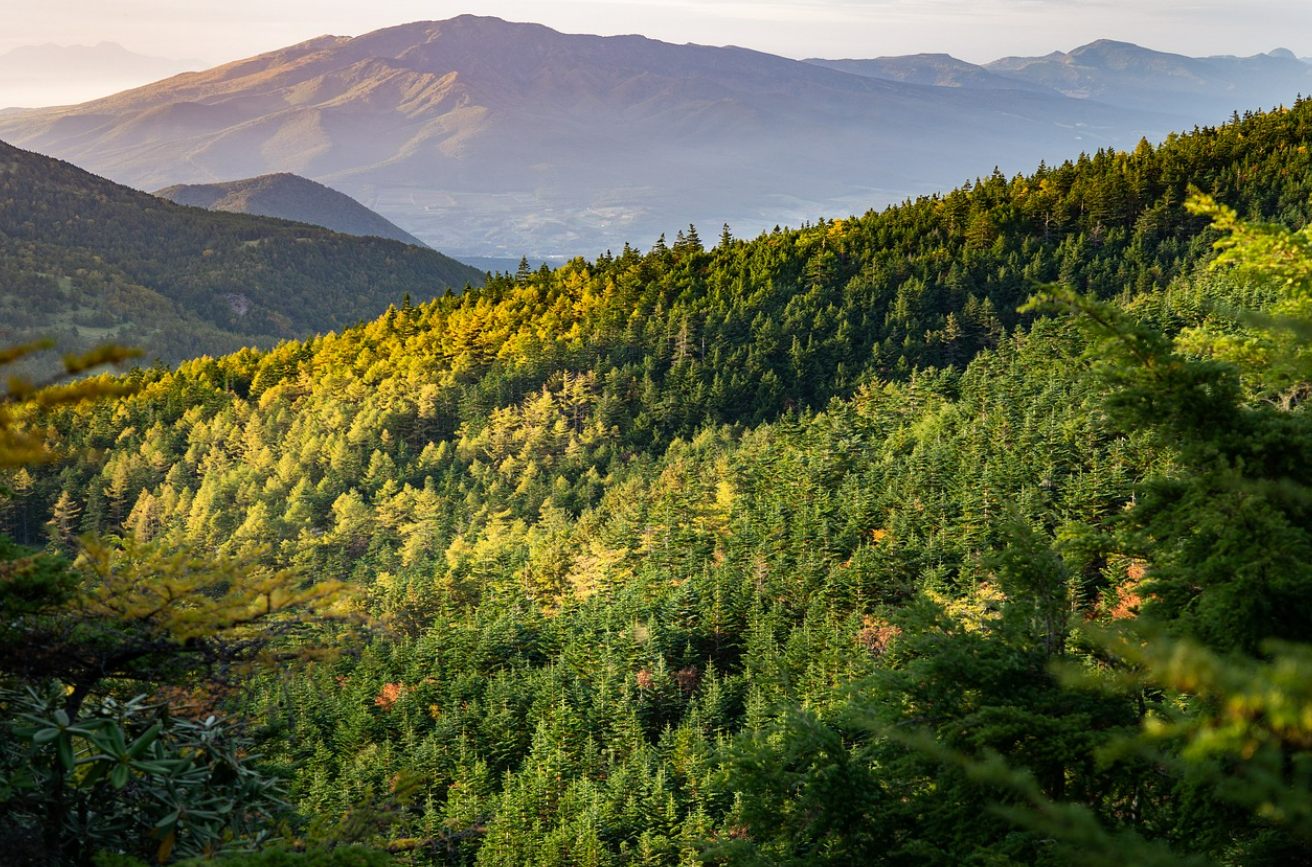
(974, 30)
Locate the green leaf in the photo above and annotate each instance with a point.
(118, 778)
(102, 742)
(141, 744)
(61, 717)
(120, 746)
(45, 736)
(160, 767)
(97, 772)
(64, 745)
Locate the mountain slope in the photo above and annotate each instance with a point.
(491, 138)
(289, 197)
(85, 259)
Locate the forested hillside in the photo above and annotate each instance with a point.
(763, 553)
(86, 260)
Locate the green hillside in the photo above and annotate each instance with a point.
(84, 260)
(764, 553)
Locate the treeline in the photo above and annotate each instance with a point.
(650, 541)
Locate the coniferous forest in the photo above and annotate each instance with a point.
(973, 531)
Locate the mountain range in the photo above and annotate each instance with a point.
(1126, 74)
(494, 139)
(290, 197)
(935, 70)
(1117, 73)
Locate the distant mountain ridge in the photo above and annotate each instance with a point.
(1118, 73)
(290, 197)
(486, 137)
(935, 70)
(84, 260)
(1127, 74)
(40, 75)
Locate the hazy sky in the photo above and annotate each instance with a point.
(977, 30)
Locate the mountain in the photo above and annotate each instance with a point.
(484, 137)
(937, 70)
(85, 260)
(36, 75)
(289, 197)
(1125, 74)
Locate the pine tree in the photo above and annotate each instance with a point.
(692, 241)
(63, 523)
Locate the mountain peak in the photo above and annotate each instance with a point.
(1119, 54)
(1105, 44)
(289, 196)
(54, 74)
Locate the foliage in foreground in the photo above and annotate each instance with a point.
(126, 777)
